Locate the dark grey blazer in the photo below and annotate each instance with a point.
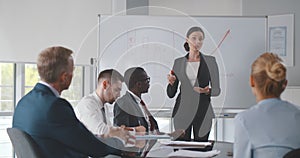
(127, 112)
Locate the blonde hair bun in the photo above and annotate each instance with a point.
(269, 74)
(276, 71)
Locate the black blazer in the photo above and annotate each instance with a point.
(127, 112)
(194, 102)
(52, 123)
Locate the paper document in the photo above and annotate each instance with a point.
(188, 153)
(152, 136)
(185, 143)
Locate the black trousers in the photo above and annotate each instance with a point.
(187, 136)
(196, 124)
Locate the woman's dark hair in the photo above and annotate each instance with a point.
(190, 31)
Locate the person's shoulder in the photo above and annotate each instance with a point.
(124, 101)
(210, 57)
(121, 100)
(58, 106)
(291, 106)
(61, 101)
(89, 96)
(180, 58)
(243, 118)
(87, 100)
(248, 113)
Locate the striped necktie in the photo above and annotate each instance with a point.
(103, 113)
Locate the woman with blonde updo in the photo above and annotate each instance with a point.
(271, 127)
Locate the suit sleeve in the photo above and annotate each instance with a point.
(242, 145)
(214, 77)
(155, 123)
(68, 130)
(172, 89)
(120, 116)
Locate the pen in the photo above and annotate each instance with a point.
(139, 122)
(172, 72)
(129, 128)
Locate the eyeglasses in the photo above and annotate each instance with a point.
(145, 79)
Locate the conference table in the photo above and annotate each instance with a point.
(156, 149)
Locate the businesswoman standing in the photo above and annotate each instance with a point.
(271, 127)
(198, 76)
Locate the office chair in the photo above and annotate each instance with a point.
(269, 150)
(293, 154)
(23, 144)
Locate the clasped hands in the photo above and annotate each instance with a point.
(200, 90)
(172, 78)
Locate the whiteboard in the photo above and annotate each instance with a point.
(153, 42)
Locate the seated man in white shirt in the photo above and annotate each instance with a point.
(91, 110)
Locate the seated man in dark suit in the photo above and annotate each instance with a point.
(51, 121)
(130, 110)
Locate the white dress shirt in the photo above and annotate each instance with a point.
(270, 123)
(89, 112)
(52, 89)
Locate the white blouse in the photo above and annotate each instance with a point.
(192, 71)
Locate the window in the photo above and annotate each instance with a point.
(73, 94)
(6, 106)
(75, 91)
(31, 77)
(6, 87)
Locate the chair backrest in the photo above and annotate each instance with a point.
(293, 154)
(271, 151)
(24, 145)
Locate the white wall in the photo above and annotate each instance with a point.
(292, 94)
(197, 7)
(28, 26)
